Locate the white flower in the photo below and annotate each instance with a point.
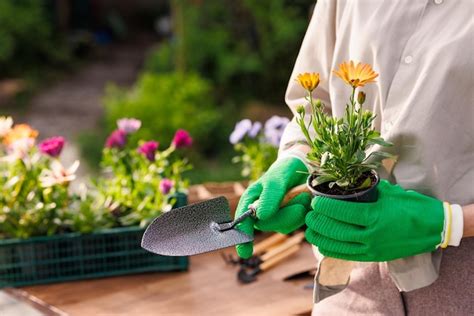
(6, 123)
(241, 129)
(129, 125)
(58, 174)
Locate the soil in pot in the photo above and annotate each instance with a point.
(361, 195)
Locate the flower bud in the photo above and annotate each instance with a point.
(361, 97)
(318, 103)
(300, 109)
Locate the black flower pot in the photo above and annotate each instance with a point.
(367, 195)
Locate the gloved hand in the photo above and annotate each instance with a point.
(400, 224)
(270, 189)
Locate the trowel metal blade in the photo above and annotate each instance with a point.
(191, 230)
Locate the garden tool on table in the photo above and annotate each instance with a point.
(271, 258)
(259, 249)
(200, 227)
(208, 226)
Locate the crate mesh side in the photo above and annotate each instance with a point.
(74, 257)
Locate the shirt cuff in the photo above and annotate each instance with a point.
(453, 225)
(457, 224)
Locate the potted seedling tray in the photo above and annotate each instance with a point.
(73, 256)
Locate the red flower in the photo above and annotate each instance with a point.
(117, 139)
(182, 139)
(148, 149)
(52, 146)
(166, 185)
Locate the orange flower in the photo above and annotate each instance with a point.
(356, 75)
(309, 81)
(20, 131)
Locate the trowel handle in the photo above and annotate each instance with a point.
(302, 188)
(252, 211)
(286, 199)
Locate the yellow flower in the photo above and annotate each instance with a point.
(20, 131)
(309, 81)
(356, 75)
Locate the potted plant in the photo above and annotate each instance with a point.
(342, 151)
(343, 156)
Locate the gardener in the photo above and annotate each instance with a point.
(423, 100)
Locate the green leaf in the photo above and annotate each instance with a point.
(360, 155)
(324, 158)
(367, 182)
(379, 155)
(322, 179)
(342, 183)
(379, 141)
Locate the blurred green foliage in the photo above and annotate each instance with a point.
(255, 157)
(245, 47)
(26, 207)
(164, 103)
(27, 39)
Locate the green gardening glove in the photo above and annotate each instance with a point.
(400, 224)
(270, 189)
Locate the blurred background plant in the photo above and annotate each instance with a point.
(257, 145)
(139, 183)
(239, 42)
(27, 37)
(164, 103)
(30, 49)
(211, 65)
(34, 185)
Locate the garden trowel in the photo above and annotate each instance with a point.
(200, 227)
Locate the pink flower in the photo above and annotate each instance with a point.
(117, 139)
(166, 185)
(182, 139)
(52, 146)
(148, 149)
(129, 125)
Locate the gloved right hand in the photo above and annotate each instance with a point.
(270, 190)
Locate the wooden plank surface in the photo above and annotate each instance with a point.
(210, 287)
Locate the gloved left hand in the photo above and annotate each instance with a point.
(399, 224)
(270, 190)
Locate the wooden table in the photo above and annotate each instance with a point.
(209, 287)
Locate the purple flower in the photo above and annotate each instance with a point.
(148, 149)
(129, 125)
(274, 128)
(52, 146)
(240, 130)
(182, 139)
(166, 185)
(256, 127)
(117, 139)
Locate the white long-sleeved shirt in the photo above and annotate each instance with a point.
(424, 95)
